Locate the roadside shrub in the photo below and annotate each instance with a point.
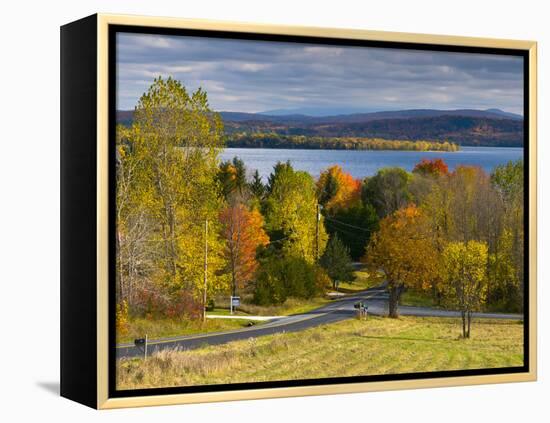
(280, 278)
(322, 280)
(183, 304)
(156, 302)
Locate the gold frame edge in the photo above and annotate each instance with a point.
(103, 400)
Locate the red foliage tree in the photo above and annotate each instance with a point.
(337, 189)
(244, 233)
(432, 167)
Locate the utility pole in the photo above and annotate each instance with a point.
(205, 268)
(317, 232)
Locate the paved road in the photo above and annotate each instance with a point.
(375, 298)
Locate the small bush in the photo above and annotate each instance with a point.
(322, 280)
(155, 302)
(280, 278)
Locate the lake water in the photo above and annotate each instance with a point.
(361, 163)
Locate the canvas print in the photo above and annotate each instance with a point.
(315, 211)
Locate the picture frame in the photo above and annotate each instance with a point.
(88, 196)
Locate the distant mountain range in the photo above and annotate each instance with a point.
(322, 112)
(319, 111)
(469, 127)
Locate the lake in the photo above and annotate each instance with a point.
(361, 163)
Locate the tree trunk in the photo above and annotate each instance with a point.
(463, 314)
(469, 323)
(395, 295)
(120, 270)
(233, 282)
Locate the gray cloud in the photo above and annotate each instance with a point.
(253, 76)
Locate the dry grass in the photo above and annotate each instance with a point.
(376, 346)
(159, 328)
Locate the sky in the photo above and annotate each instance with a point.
(259, 76)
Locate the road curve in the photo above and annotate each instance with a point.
(375, 298)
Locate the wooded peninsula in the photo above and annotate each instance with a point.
(273, 140)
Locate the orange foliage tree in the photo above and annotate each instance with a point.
(337, 189)
(403, 250)
(431, 167)
(243, 232)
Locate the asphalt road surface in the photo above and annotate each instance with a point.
(376, 299)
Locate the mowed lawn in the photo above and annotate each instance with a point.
(348, 348)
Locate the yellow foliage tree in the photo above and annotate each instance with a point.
(292, 211)
(403, 250)
(465, 285)
(168, 160)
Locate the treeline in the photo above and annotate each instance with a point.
(457, 235)
(274, 140)
(189, 229)
(167, 163)
(464, 130)
(287, 264)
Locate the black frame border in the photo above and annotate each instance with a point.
(113, 30)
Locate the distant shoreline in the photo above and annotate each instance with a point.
(305, 142)
(264, 147)
(461, 149)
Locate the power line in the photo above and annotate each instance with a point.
(359, 237)
(347, 224)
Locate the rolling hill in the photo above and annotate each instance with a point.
(467, 127)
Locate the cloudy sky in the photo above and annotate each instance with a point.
(257, 76)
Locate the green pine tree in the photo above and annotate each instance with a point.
(337, 262)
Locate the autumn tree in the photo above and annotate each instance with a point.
(232, 177)
(244, 233)
(337, 261)
(465, 278)
(387, 191)
(174, 143)
(134, 225)
(504, 284)
(404, 252)
(471, 206)
(507, 258)
(337, 189)
(431, 167)
(291, 213)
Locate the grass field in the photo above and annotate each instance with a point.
(348, 348)
(158, 328)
